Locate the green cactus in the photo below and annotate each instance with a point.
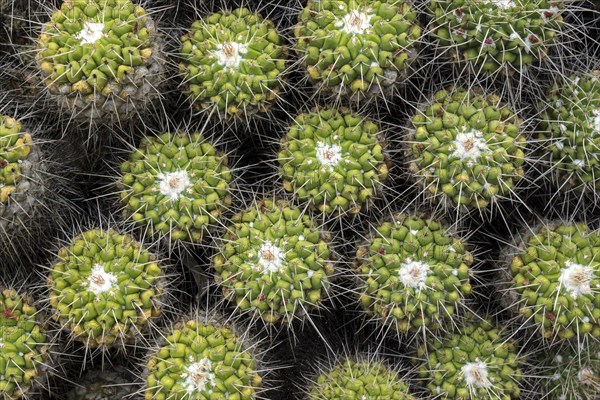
(359, 379)
(334, 160)
(101, 59)
(569, 133)
(466, 149)
(496, 36)
(413, 273)
(569, 373)
(24, 346)
(233, 64)
(105, 288)
(477, 363)
(554, 273)
(176, 186)
(274, 262)
(357, 49)
(202, 360)
(113, 383)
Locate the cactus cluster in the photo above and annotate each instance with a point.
(176, 185)
(233, 64)
(105, 288)
(355, 49)
(569, 133)
(100, 60)
(494, 36)
(24, 346)
(413, 273)
(274, 262)
(334, 159)
(466, 149)
(202, 360)
(555, 278)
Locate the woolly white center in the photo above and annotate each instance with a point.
(172, 184)
(230, 54)
(595, 121)
(91, 32)
(503, 3)
(577, 279)
(329, 154)
(476, 374)
(469, 144)
(586, 376)
(270, 257)
(198, 376)
(413, 273)
(356, 22)
(101, 281)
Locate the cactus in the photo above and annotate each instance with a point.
(105, 288)
(333, 159)
(100, 60)
(24, 346)
(203, 359)
(413, 273)
(176, 185)
(496, 36)
(232, 64)
(274, 262)
(116, 383)
(355, 49)
(466, 150)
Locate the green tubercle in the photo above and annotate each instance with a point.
(274, 262)
(334, 160)
(232, 63)
(176, 185)
(413, 273)
(202, 361)
(105, 288)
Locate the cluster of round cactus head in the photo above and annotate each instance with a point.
(356, 49)
(555, 277)
(274, 262)
(176, 185)
(359, 379)
(413, 273)
(478, 362)
(100, 59)
(19, 184)
(466, 149)
(24, 346)
(334, 160)
(105, 288)
(496, 36)
(569, 133)
(569, 372)
(113, 383)
(203, 360)
(233, 64)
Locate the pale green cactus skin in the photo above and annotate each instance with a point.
(274, 262)
(233, 64)
(477, 363)
(355, 49)
(24, 349)
(105, 288)
(496, 36)
(333, 159)
(569, 133)
(359, 379)
(101, 59)
(555, 274)
(466, 149)
(227, 369)
(413, 273)
(176, 185)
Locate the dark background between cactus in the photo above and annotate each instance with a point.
(337, 329)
